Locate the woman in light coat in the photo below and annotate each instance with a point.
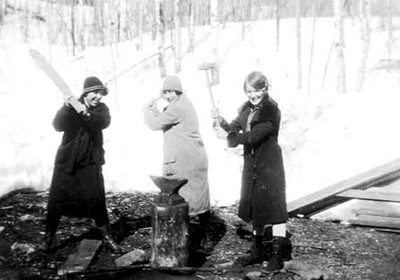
(184, 152)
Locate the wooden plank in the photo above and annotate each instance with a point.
(323, 199)
(370, 195)
(376, 221)
(388, 230)
(378, 211)
(81, 259)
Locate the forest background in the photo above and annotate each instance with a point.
(333, 68)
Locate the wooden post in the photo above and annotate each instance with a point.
(170, 226)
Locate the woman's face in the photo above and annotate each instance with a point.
(93, 98)
(169, 95)
(254, 95)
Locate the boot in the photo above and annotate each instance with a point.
(256, 255)
(281, 251)
(205, 246)
(48, 241)
(52, 222)
(109, 242)
(287, 248)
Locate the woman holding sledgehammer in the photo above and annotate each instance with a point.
(184, 151)
(263, 191)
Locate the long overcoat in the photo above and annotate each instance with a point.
(263, 191)
(184, 152)
(77, 186)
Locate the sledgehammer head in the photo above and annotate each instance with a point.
(208, 65)
(168, 185)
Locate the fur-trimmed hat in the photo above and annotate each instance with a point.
(172, 83)
(94, 84)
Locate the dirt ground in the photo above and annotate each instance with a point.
(337, 251)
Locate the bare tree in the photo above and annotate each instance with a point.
(99, 21)
(2, 10)
(242, 9)
(73, 28)
(389, 21)
(312, 46)
(339, 45)
(277, 35)
(298, 36)
(191, 13)
(161, 36)
(365, 40)
(177, 37)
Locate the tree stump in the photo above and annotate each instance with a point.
(170, 226)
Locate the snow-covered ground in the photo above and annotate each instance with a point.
(325, 138)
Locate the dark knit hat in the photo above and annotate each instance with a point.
(93, 84)
(172, 83)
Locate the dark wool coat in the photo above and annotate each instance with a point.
(263, 192)
(77, 187)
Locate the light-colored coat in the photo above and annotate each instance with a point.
(184, 152)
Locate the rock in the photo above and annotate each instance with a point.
(253, 275)
(135, 256)
(224, 265)
(26, 217)
(306, 271)
(24, 248)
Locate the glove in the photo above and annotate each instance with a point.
(76, 104)
(232, 139)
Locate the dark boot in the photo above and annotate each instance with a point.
(48, 241)
(205, 246)
(109, 242)
(281, 251)
(287, 248)
(52, 222)
(256, 255)
(267, 243)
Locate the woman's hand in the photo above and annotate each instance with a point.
(151, 105)
(215, 113)
(221, 133)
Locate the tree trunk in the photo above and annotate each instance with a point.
(98, 22)
(161, 38)
(298, 36)
(311, 49)
(242, 8)
(2, 11)
(215, 29)
(170, 229)
(73, 28)
(365, 39)
(140, 25)
(277, 24)
(177, 37)
(389, 20)
(339, 45)
(191, 25)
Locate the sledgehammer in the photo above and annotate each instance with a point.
(209, 67)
